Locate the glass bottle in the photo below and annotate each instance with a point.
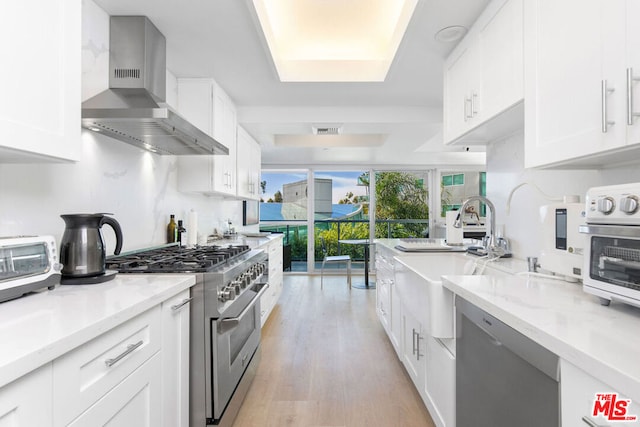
(172, 229)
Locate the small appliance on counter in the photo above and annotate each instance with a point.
(612, 250)
(27, 264)
(562, 244)
(82, 250)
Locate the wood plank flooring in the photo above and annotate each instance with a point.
(326, 361)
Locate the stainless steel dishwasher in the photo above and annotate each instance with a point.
(503, 379)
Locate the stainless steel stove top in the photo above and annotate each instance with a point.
(177, 259)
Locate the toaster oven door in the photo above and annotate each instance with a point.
(17, 261)
(612, 263)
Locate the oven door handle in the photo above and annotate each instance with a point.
(231, 322)
(611, 230)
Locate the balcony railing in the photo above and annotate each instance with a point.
(333, 230)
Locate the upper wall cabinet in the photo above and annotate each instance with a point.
(248, 166)
(40, 108)
(578, 99)
(483, 86)
(207, 106)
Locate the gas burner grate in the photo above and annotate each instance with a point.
(176, 259)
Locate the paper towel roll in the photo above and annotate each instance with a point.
(192, 228)
(454, 235)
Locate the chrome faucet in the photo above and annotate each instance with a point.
(494, 250)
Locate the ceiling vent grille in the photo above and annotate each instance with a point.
(327, 130)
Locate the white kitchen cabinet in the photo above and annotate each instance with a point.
(248, 166)
(27, 401)
(207, 106)
(40, 109)
(175, 360)
(270, 298)
(483, 77)
(576, 104)
(440, 382)
(414, 350)
(83, 376)
(388, 305)
(578, 390)
(135, 402)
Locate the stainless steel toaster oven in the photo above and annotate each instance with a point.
(27, 264)
(612, 251)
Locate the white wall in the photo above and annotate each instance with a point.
(138, 187)
(505, 170)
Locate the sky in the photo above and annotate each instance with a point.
(343, 182)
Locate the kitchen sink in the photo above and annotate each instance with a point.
(420, 286)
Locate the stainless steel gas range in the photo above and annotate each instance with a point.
(225, 320)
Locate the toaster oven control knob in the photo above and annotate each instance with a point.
(629, 204)
(606, 205)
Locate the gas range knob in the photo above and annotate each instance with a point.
(227, 294)
(237, 286)
(629, 204)
(254, 272)
(606, 205)
(246, 280)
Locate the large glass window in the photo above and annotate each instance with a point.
(341, 214)
(283, 209)
(343, 204)
(401, 204)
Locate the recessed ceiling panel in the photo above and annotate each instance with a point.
(333, 40)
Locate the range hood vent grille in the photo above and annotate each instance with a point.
(133, 109)
(126, 73)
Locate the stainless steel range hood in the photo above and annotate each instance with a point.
(133, 109)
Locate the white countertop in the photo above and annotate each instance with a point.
(602, 341)
(40, 327)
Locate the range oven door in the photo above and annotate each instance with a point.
(235, 338)
(612, 263)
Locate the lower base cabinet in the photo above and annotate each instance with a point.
(270, 298)
(135, 402)
(441, 381)
(27, 401)
(578, 393)
(133, 375)
(414, 354)
(175, 360)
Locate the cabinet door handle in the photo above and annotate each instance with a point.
(630, 81)
(588, 421)
(413, 341)
(603, 93)
(181, 304)
(467, 101)
(418, 338)
(474, 110)
(129, 350)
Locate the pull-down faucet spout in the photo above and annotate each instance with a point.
(493, 249)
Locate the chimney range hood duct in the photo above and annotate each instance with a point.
(133, 109)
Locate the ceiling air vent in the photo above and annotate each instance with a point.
(327, 130)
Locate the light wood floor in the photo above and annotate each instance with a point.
(326, 361)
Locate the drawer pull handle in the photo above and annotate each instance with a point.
(178, 306)
(130, 349)
(588, 421)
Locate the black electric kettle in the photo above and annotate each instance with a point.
(82, 251)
